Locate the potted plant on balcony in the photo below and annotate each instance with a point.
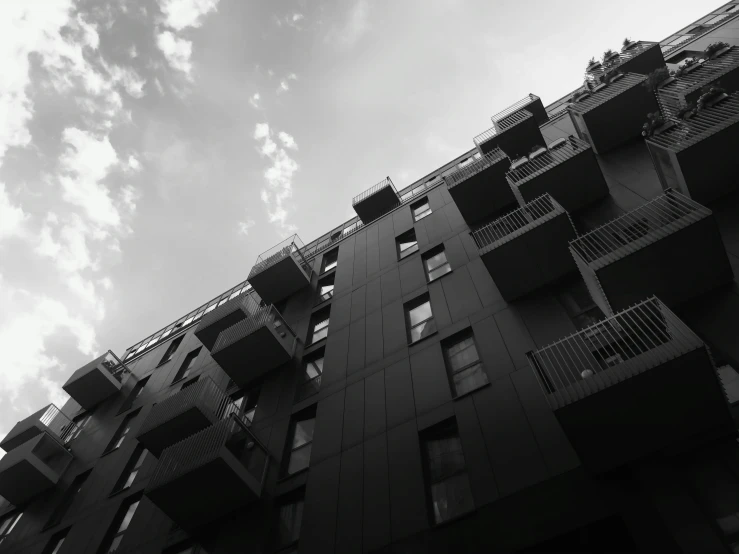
(687, 66)
(578, 95)
(687, 112)
(628, 44)
(593, 64)
(654, 124)
(716, 49)
(611, 75)
(609, 57)
(536, 151)
(711, 95)
(658, 78)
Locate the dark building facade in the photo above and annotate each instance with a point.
(531, 349)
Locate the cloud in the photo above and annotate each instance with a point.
(244, 226)
(292, 20)
(287, 140)
(177, 51)
(254, 100)
(181, 14)
(11, 217)
(278, 177)
(284, 87)
(354, 27)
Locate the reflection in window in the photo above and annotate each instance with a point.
(121, 524)
(407, 244)
(419, 319)
(319, 326)
(325, 288)
(171, 349)
(311, 381)
(55, 544)
(330, 260)
(7, 523)
(463, 363)
(302, 439)
(420, 209)
(122, 432)
(436, 264)
(187, 365)
(246, 403)
(132, 469)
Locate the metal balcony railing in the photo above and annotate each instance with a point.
(501, 127)
(291, 246)
(501, 116)
(266, 315)
(603, 95)
(557, 152)
(248, 304)
(386, 182)
(640, 47)
(636, 229)
(706, 123)
(117, 369)
(512, 225)
(630, 342)
(462, 174)
(58, 424)
(308, 388)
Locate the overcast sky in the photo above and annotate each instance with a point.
(150, 150)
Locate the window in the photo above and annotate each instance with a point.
(246, 403)
(330, 260)
(7, 523)
(419, 318)
(69, 497)
(301, 432)
(420, 209)
(436, 264)
(132, 469)
(319, 326)
(171, 349)
(187, 365)
(579, 305)
(311, 382)
(134, 395)
(407, 244)
(80, 421)
(289, 517)
(447, 483)
(56, 542)
(122, 431)
(466, 372)
(325, 288)
(121, 523)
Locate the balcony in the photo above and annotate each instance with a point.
(685, 90)
(96, 381)
(669, 246)
(613, 113)
(698, 156)
(225, 315)
(281, 271)
(642, 58)
(47, 420)
(566, 169)
(480, 188)
(516, 129)
(184, 414)
(209, 474)
(631, 385)
(252, 347)
(376, 201)
(527, 248)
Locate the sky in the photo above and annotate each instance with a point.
(150, 150)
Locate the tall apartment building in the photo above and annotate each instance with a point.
(531, 349)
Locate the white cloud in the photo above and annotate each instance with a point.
(254, 100)
(354, 28)
(278, 177)
(11, 217)
(177, 51)
(244, 226)
(133, 164)
(287, 140)
(296, 17)
(284, 87)
(181, 14)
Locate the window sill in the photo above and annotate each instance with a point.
(312, 344)
(429, 281)
(464, 395)
(422, 339)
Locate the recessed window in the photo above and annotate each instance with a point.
(311, 381)
(121, 432)
(420, 209)
(319, 326)
(326, 288)
(7, 523)
(80, 421)
(466, 372)
(330, 260)
(579, 305)
(301, 440)
(289, 518)
(246, 403)
(54, 546)
(132, 469)
(448, 485)
(170, 352)
(189, 383)
(419, 318)
(72, 492)
(121, 524)
(187, 365)
(407, 244)
(436, 264)
(134, 395)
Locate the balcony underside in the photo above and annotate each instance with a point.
(574, 183)
(377, 204)
(617, 120)
(645, 62)
(208, 492)
(182, 425)
(704, 171)
(92, 386)
(249, 357)
(279, 280)
(678, 267)
(676, 404)
(484, 194)
(220, 319)
(531, 260)
(515, 141)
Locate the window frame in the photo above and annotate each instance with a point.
(8, 523)
(121, 432)
(291, 448)
(418, 204)
(321, 317)
(405, 237)
(184, 372)
(80, 420)
(310, 359)
(171, 350)
(328, 280)
(333, 256)
(411, 305)
(449, 343)
(431, 254)
(297, 500)
(121, 518)
(132, 468)
(247, 401)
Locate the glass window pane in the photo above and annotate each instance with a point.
(462, 353)
(469, 379)
(451, 498)
(439, 271)
(423, 330)
(129, 515)
(303, 432)
(290, 519)
(420, 313)
(115, 544)
(299, 459)
(436, 260)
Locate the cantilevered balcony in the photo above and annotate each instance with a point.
(527, 248)
(36, 455)
(670, 246)
(252, 347)
(683, 91)
(480, 188)
(209, 474)
(516, 129)
(631, 385)
(641, 57)
(613, 113)
(184, 414)
(220, 319)
(698, 156)
(281, 271)
(96, 381)
(566, 169)
(376, 201)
